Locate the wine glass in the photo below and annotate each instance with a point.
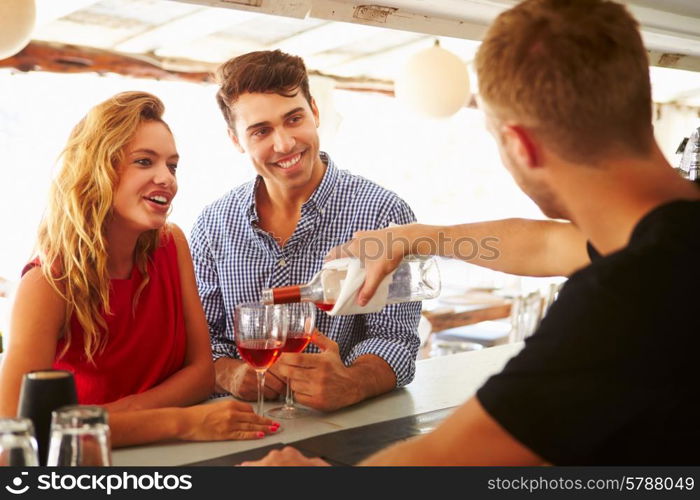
(302, 319)
(260, 331)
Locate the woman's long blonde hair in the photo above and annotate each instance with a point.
(71, 244)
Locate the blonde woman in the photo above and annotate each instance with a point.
(111, 295)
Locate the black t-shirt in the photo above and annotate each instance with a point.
(611, 375)
(593, 254)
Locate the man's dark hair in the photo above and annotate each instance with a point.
(266, 71)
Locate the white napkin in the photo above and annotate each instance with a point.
(354, 278)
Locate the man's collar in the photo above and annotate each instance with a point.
(323, 191)
(317, 200)
(249, 200)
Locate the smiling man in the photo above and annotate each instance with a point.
(275, 230)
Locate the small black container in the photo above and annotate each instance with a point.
(42, 392)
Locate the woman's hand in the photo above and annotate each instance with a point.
(224, 420)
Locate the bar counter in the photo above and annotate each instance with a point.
(442, 382)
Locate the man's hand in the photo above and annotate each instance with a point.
(238, 378)
(380, 251)
(321, 381)
(286, 457)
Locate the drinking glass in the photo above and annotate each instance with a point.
(260, 332)
(525, 316)
(80, 437)
(42, 392)
(17, 443)
(301, 320)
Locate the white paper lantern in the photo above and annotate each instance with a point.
(16, 24)
(434, 83)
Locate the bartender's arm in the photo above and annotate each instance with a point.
(515, 246)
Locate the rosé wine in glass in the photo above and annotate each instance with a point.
(260, 332)
(302, 321)
(260, 353)
(296, 342)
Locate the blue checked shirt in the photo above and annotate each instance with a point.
(234, 260)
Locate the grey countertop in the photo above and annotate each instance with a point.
(441, 382)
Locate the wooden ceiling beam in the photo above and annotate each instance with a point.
(60, 58)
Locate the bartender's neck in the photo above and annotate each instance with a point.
(608, 200)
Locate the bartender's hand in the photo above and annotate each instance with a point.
(224, 420)
(238, 378)
(286, 457)
(320, 381)
(381, 251)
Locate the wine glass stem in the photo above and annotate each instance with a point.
(289, 400)
(261, 390)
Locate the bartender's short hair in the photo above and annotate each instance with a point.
(265, 71)
(575, 72)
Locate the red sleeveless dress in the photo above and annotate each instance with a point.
(143, 349)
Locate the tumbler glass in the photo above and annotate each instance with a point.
(17, 443)
(80, 437)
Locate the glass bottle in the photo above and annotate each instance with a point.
(416, 278)
(690, 161)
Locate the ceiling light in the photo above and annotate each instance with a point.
(16, 24)
(433, 83)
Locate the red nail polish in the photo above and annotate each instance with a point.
(260, 434)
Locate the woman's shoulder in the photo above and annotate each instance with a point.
(173, 244)
(34, 263)
(33, 275)
(173, 231)
(35, 290)
(173, 236)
